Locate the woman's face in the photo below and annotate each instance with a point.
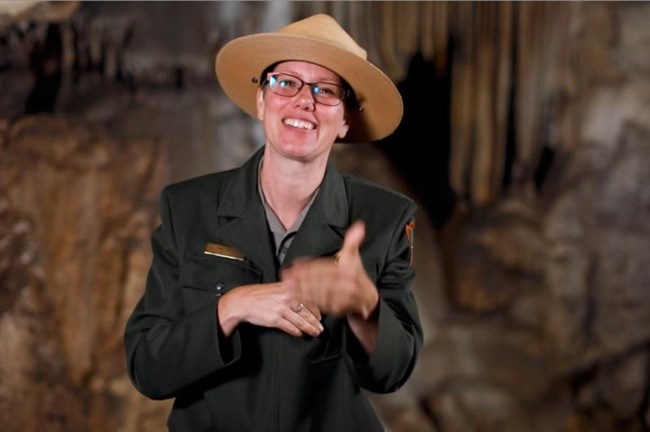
(298, 127)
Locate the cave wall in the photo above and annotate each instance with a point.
(535, 302)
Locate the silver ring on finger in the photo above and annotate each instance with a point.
(299, 308)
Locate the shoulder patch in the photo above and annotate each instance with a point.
(409, 229)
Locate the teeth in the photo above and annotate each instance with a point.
(299, 124)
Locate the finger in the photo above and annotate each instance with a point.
(315, 311)
(301, 317)
(289, 327)
(306, 322)
(353, 238)
(312, 317)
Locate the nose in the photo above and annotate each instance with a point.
(305, 99)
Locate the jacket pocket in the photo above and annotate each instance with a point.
(328, 345)
(204, 278)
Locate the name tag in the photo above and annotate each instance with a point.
(223, 251)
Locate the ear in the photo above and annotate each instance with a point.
(260, 103)
(345, 127)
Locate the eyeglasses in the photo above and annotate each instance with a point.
(284, 84)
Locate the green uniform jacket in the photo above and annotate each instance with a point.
(261, 379)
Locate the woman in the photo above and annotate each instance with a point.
(280, 289)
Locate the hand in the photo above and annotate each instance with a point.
(268, 305)
(338, 288)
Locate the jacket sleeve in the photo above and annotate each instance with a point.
(167, 347)
(400, 332)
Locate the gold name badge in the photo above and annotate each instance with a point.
(223, 251)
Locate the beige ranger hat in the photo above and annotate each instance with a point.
(318, 39)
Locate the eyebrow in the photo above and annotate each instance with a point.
(336, 80)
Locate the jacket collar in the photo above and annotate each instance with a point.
(321, 232)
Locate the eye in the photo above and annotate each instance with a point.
(325, 90)
(287, 82)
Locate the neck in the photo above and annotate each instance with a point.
(289, 185)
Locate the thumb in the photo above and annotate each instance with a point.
(353, 238)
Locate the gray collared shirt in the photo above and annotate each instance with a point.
(282, 237)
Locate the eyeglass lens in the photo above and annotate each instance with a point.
(289, 85)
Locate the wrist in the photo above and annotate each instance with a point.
(226, 314)
(371, 303)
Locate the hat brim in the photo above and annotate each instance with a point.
(240, 62)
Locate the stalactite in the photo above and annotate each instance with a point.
(429, 40)
(484, 107)
(504, 86)
(390, 28)
(462, 129)
(498, 49)
(525, 96)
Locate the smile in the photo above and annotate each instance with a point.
(300, 124)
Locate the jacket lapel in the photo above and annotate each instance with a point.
(323, 228)
(243, 225)
(242, 221)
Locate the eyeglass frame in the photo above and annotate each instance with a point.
(312, 85)
(350, 99)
